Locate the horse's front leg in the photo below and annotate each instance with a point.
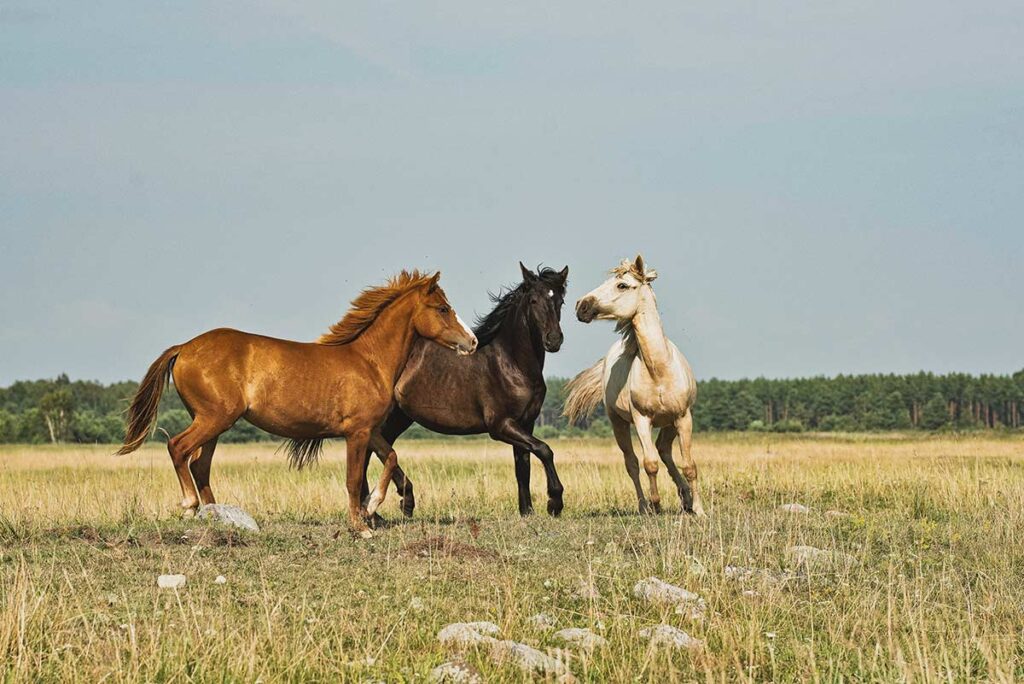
(511, 432)
(381, 446)
(622, 437)
(643, 433)
(355, 473)
(522, 459)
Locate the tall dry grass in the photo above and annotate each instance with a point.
(935, 526)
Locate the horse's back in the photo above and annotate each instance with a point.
(269, 379)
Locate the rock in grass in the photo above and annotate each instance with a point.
(463, 634)
(812, 559)
(793, 508)
(455, 673)
(221, 579)
(170, 581)
(667, 636)
(529, 659)
(586, 591)
(542, 621)
(760, 576)
(580, 637)
(695, 567)
(229, 515)
(660, 592)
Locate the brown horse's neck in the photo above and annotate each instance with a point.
(650, 336)
(388, 341)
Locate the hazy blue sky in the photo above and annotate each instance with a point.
(823, 187)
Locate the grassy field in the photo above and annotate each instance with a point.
(935, 525)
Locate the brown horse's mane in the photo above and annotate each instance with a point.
(368, 305)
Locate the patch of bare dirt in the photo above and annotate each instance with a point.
(445, 547)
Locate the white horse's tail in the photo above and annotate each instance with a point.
(585, 392)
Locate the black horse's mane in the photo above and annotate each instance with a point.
(506, 303)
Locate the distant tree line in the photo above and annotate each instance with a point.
(66, 411)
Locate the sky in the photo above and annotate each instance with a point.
(823, 188)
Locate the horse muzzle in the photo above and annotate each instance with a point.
(464, 348)
(586, 309)
(553, 343)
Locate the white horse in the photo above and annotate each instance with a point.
(644, 380)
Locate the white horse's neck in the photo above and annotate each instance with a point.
(650, 336)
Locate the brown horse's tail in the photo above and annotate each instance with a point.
(142, 412)
(585, 392)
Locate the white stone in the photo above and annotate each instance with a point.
(529, 659)
(454, 673)
(660, 592)
(221, 579)
(229, 515)
(463, 634)
(812, 559)
(671, 637)
(761, 576)
(581, 637)
(695, 567)
(793, 508)
(170, 581)
(542, 621)
(586, 591)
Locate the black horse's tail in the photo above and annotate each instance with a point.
(302, 452)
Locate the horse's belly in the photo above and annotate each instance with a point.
(293, 426)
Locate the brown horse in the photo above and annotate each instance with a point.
(340, 386)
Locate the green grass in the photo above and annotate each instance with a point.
(936, 526)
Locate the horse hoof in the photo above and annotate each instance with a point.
(408, 506)
(188, 512)
(366, 534)
(555, 507)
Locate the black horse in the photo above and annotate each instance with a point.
(498, 390)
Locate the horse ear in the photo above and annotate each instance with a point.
(564, 274)
(432, 285)
(528, 275)
(639, 264)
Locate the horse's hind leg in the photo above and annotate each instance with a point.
(625, 442)
(666, 437)
(200, 468)
(181, 447)
(684, 426)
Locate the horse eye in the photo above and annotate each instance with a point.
(443, 310)
(623, 286)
